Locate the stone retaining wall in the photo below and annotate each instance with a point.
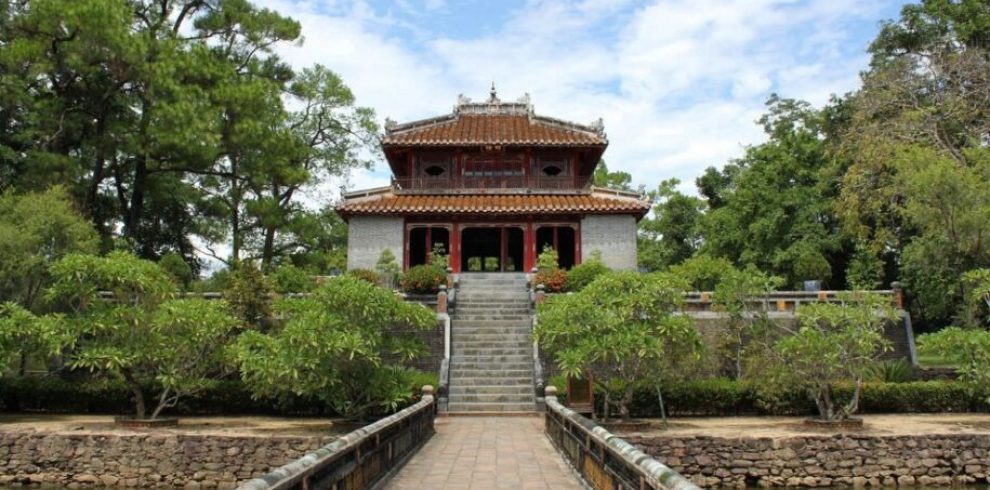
(813, 461)
(142, 460)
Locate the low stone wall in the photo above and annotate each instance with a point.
(143, 460)
(814, 461)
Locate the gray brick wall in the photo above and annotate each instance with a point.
(368, 236)
(614, 235)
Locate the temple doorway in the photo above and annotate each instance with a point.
(424, 240)
(492, 249)
(561, 239)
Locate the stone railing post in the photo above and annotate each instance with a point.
(442, 299)
(898, 294)
(550, 392)
(541, 294)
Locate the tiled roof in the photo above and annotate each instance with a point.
(389, 203)
(494, 122)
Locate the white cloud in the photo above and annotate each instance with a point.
(678, 82)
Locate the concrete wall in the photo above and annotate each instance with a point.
(144, 459)
(368, 235)
(614, 236)
(824, 461)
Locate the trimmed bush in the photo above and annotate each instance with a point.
(424, 279)
(582, 275)
(288, 278)
(724, 397)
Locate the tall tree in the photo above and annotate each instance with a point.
(613, 180)
(772, 208)
(672, 233)
(923, 109)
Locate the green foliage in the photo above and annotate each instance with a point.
(548, 259)
(474, 264)
(168, 120)
(742, 296)
(773, 207)
(611, 180)
(36, 229)
(438, 256)
(21, 332)
(332, 347)
(865, 271)
(976, 284)
(249, 295)
(622, 326)
(834, 343)
(891, 371)
(491, 264)
(176, 267)
(581, 275)
(288, 278)
(140, 335)
(387, 268)
(673, 233)
(366, 275)
(967, 349)
(424, 279)
(703, 272)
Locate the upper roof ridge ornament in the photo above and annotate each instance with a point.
(494, 95)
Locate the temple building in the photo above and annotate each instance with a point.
(492, 184)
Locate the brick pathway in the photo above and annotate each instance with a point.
(486, 453)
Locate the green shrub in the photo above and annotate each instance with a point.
(424, 279)
(102, 396)
(724, 397)
(288, 278)
(176, 267)
(249, 294)
(364, 275)
(474, 264)
(582, 275)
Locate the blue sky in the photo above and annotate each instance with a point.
(679, 83)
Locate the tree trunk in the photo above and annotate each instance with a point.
(139, 405)
(268, 250)
(627, 397)
(162, 402)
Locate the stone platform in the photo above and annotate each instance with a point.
(487, 453)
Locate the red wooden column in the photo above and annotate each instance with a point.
(529, 246)
(455, 247)
(577, 243)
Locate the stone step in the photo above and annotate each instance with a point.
(493, 351)
(497, 297)
(488, 372)
(492, 389)
(484, 317)
(492, 321)
(490, 398)
(469, 332)
(492, 368)
(491, 407)
(491, 358)
(493, 344)
(459, 336)
(491, 381)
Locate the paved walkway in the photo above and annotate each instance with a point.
(486, 453)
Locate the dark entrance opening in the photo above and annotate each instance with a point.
(492, 249)
(424, 240)
(559, 238)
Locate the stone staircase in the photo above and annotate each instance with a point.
(491, 365)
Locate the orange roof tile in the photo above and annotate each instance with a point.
(493, 122)
(390, 203)
(493, 130)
